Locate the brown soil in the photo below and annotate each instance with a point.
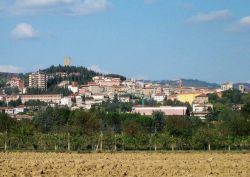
(125, 164)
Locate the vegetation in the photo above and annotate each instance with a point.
(106, 128)
(51, 90)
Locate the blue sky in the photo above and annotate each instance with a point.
(150, 39)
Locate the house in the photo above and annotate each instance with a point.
(201, 99)
(201, 110)
(20, 109)
(95, 88)
(2, 97)
(99, 97)
(166, 110)
(159, 97)
(16, 82)
(66, 101)
(107, 81)
(79, 100)
(124, 99)
(73, 88)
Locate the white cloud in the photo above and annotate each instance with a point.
(40, 3)
(242, 25)
(10, 69)
(65, 7)
(97, 68)
(24, 31)
(245, 21)
(211, 16)
(90, 6)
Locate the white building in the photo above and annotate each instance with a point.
(159, 97)
(227, 86)
(78, 100)
(99, 97)
(66, 101)
(73, 89)
(201, 110)
(124, 99)
(20, 109)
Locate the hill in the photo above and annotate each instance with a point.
(188, 83)
(56, 74)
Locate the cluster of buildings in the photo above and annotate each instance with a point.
(104, 88)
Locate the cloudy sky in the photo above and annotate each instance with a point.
(150, 39)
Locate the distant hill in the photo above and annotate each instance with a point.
(247, 85)
(80, 74)
(188, 83)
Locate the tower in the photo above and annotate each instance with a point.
(242, 88)
(67, 61)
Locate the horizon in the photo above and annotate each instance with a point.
(146, 39)
(151, 80)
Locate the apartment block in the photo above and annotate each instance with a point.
(38, 80)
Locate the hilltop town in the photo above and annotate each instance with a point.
(23, 95)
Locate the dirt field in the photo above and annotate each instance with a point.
(125, 164)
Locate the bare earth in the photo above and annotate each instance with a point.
(125, 164)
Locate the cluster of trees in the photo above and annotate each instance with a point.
(98, 129)
(85, 75)
(50, 90)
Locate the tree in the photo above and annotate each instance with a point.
(6, 122)
(16, 103)
(158, 121)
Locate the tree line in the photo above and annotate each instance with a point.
(60, 129)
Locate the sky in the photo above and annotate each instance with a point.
(144, 39)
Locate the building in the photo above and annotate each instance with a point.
(98, 97)
(166, 110)
(20, 109)
(227, 86)
(107, 81)
(201, 99)
(9, 98)
(124, 99)
(187, 97)
(16, 82)
(159, 97)
(202, 110)
(38, 80)
(66, 101)
(242, 88)
(49, 98)
(79, 100)
(74, 89)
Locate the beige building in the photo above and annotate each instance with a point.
(227, 86)
(201, 99)
(50, 98)
(38, 80)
